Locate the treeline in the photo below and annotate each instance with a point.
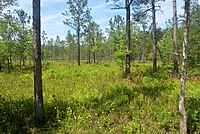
(92, 43)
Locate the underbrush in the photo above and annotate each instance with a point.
(95, 98)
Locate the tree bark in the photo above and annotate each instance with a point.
(183, 122)
(154, 37)
(39, 108)
(175, 44)
(128, 38)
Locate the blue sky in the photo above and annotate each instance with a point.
(52, 19)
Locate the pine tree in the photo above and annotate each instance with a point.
(39, 108)
(183, 122)
(77, 15)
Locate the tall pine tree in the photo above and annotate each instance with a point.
(78, 13)
(39, 108)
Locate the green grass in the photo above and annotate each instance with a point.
(95, 98)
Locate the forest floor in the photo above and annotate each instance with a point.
(95, 98)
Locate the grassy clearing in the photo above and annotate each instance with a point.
(97, 99)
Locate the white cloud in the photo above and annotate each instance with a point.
(51, 18)
(100, 6)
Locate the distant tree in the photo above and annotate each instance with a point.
(70, 41)
(150, 5)
(93, 35)
(165, 47)
(57, 48)
(183, 122)
(39, 108)
(24, 35)
(77, 15)
(128, 33)
(62, 49)
(141, 19)
(194, 51)
(175, 43)
(8, 33)
(117, 37)
(44, 44)
(49, 47)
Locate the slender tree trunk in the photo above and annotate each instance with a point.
(183, 122)
(20, 62)
(8, 62)
(128, 38)
(24, 61)
(10, 59)
(154, 37)
(0, 66)
(94, 57)
(175, 44)
(144, 43)
(89, 55)
(39, 108)
(78, 36)
(93, 53)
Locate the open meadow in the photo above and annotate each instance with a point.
(95, 98)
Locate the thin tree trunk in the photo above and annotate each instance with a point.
(94, 57)
(154, 37)
(20, 62)
(78, 36)
(128, 32)
(111, 54)
(144, 43)
(24, 61)
(8, 62)
(0, 66)
(175, 44)
(89, 54)
(183, 122)
(39, 108)
(70, 57)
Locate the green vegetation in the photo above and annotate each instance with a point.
(95, 98)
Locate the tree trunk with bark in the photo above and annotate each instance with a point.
(183, 122)
(154, 36)
(128, 38)
(175, 44)
(39, 108)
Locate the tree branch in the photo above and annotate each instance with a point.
(118, 7)
(130, 2)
